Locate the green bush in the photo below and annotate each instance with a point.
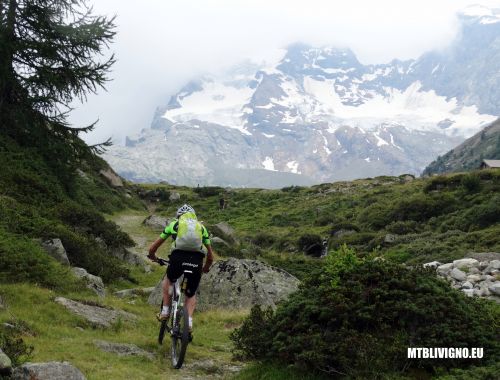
(364, 315)
(14, 346)
(24, 260)
(263, 239)
(403, 227)
(471, 183)
(208, 191)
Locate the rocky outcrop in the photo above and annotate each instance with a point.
(95, 315)
(5, 364)
(122, 349)
(55, 248)
(112, 178)
(156, 222)
(473, 277)
(47, 371)
(240, 284)
(94, 283)
(225, 232)
(128, 256)
(174, 196)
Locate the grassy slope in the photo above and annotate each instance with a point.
(468, 155)
(57, 335)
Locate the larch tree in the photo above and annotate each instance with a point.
(51, 53)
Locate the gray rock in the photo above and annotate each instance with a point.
(465, 263)
(483, 265)
(495, 264)
(390, 238)
(458, 275)
(47, 371)
(122, 349)
(5, 364)
(225, 232)
(156, 222)
(343, 232)
(485, 256)
(174, 196)
(218, 241)
(93, 282)
(467, 285)
(474, 271)
(96, 315)
(432, 264)
(112, 178)
(129, 256)
(445, 268)
(468, 292)
(55, 248)
(495, 288)
(134, 292)
(473, 278)
(240, 284)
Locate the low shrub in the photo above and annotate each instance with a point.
(364, 315)
(208, 191)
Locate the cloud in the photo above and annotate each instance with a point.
(161, 44)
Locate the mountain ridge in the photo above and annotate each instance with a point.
(321, 114)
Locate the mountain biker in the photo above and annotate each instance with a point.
(181, 259)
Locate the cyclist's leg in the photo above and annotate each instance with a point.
(190, 305)
(194, 265)
(174, 271)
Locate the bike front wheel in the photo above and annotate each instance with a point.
(180, 338)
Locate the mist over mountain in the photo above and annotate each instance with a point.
(319, 115)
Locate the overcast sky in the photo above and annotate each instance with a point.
(161, 44)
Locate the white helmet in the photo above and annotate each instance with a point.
(184, 209)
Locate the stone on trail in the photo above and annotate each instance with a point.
(123, 349)
(93, 282)
(239, 284)
(47, 371)
(96, 315)
(55, 248)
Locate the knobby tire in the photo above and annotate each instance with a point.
(180, 338)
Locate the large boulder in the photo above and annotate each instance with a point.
(47, 371)
(95, 315)
(123, 349)
(174, 196)
(224, 231)
(55, 248)
(240, 284)
(112, 178)
(5, 364)
(156, 222)
(94, 283)
(130, 257)
(466, 263)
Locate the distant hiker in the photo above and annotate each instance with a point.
(222, 203)
(190, 237)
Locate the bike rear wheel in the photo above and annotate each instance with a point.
(180, 338)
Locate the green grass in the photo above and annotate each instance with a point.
(58, 335)
(271, 371)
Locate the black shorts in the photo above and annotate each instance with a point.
(184, 260)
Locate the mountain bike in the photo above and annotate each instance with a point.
(178, 323)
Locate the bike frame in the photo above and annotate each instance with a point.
(178, 297)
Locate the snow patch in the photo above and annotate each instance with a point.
(268, 164)
(268, 136)
(293, 166)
